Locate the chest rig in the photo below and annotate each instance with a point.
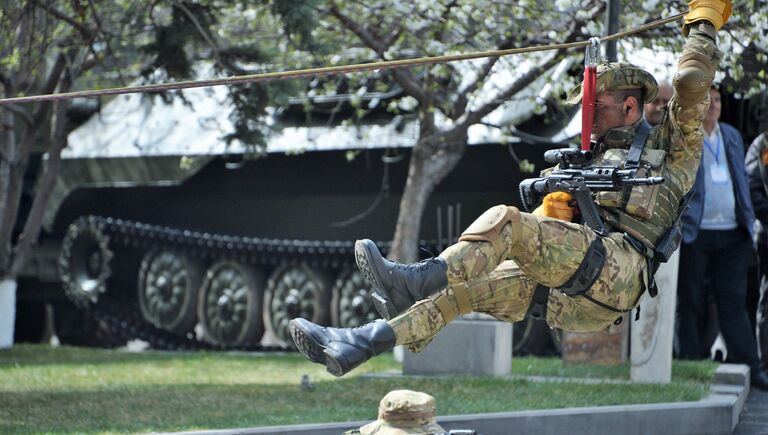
(626, 202)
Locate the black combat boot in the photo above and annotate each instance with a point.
(398, 286)
(341, 349)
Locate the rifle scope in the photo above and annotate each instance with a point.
(568, 156)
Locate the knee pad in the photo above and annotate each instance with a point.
(693, 79)
(487, 228)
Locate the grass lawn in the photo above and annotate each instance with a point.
(65, 389)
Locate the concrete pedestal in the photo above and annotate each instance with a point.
(468, 347)
(606, 348)
(653, 333)
(7, 312)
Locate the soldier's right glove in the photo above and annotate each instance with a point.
(716, 12)
(556, 205)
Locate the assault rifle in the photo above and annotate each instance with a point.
(577, 176)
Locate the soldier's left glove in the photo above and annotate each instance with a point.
(556, 205)
(716, 12)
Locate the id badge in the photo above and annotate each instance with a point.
(718, 173)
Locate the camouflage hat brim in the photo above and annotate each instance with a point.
(618, 76)
(381, 427)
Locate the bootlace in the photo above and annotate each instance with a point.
(363, 326)
(418, 267)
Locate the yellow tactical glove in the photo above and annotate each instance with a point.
(556, 205)
(714, 11)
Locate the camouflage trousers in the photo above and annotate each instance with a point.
(500, 278)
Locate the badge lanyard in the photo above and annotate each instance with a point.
(715, 152)
(717, 173)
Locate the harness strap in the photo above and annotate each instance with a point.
(586, 275)
(588, 271)
(450, 308)
(633, 157)
(538, 308)
(651, 263)
(446, 307)
(638, 144)
(604, 305)
(463, 302)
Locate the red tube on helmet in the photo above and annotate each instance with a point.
(588, 105)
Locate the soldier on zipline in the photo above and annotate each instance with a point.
(588, 279)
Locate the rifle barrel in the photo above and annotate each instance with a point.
(648, 180)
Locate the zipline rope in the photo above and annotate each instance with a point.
(323, 71)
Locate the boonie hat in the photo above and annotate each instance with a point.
(616, 76)
(404, 412)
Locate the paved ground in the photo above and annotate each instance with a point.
(754, 418)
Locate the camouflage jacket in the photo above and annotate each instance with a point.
(673, 150)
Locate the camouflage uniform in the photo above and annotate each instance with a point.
(403, 412)
(501, 258)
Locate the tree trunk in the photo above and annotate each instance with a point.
(434, 157)
(7, 311)
(32, 226)
(7, 155)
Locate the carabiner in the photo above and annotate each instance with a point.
(592, 57)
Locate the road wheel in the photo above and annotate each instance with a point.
(230, 304)
(169, 283)
(84, 263)
(296, 291)
(351, 304)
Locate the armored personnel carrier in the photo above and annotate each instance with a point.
(163, 232)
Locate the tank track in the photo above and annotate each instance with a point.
(125, 319)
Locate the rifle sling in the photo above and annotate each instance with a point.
(588, 271)
(538, 308)
(633, 157)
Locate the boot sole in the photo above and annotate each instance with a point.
(334, 365)
(316, 352)
(306, 344)
(379, 297)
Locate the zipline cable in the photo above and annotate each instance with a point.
(322, 71)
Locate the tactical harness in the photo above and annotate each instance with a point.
(594, 259)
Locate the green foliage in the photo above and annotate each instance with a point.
(299, 20)
(742, 40)
(124, 41)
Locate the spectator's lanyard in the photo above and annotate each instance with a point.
(717, 173)
(715, 152)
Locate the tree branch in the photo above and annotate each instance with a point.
(110, 51)
(527, 78)
(21, 112)
(7, 142)
(31, 231)
(403, 76)
(206, 36)
(41, 112)
(12, 171)
(84, 30)
(486, 68)
(473, 117)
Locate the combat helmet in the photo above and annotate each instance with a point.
(404, 412)
(616, 76)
